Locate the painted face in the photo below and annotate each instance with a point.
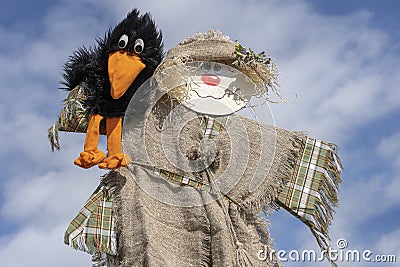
(217, 89)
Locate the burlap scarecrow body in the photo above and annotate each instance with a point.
(195, 195)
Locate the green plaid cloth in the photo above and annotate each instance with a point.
(183, 180)
(213, 125)
(186, 181)
(93, 229)
(312, 192)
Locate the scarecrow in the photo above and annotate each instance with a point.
(200, 175)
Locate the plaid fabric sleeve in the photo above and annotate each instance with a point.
(93, 229)
(312, 192)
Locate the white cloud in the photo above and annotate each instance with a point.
(40, 247)
(364, 200)
(389, 149)
(48, 198)
(338, 76)
(389, 244)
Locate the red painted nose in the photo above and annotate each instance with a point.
(210, 79)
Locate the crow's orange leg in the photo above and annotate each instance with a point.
(91, 155)
(115, 157)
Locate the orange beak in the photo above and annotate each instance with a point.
(123, 68)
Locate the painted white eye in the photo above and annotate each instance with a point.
(123, 41)
(139, 46)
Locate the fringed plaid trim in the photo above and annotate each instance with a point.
(93, 229)
(312, 192)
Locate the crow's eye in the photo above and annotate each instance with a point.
(139, 46)
(123, 41)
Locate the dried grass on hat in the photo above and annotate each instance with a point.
(216, 47)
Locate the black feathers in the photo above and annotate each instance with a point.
(89, 67)
(76, 68)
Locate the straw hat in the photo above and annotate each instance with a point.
(216, 47)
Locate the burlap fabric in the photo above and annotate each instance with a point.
(160, 223)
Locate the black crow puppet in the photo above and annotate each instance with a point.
(109, 74)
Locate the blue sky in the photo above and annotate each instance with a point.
(341, 58)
